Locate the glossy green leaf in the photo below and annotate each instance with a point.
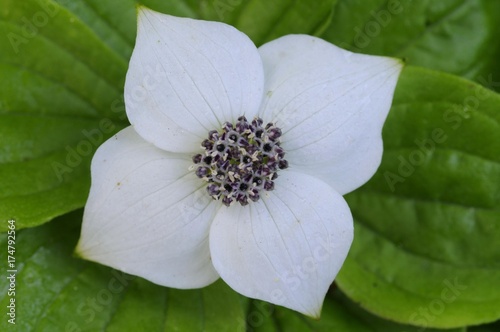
(113, 24)
(427, 235)
(57, 292)
(456, 36)
(183, 8)
(264, 20)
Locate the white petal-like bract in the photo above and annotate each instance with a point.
(331, 105)
(287, 248)
(147, 214)
(187, 77)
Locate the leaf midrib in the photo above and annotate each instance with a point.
(428, 28)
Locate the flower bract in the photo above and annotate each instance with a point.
(236, 160)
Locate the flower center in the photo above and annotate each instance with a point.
(241, 160)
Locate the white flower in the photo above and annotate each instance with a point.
(152, 214)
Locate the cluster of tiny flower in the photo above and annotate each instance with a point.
(241, 160)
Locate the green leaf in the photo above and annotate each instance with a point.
(456, 36)
(60, 98)
(114, 24)
(57, 292)
(338, 314)
(427, 233)
(264, 20)
(183, 8)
